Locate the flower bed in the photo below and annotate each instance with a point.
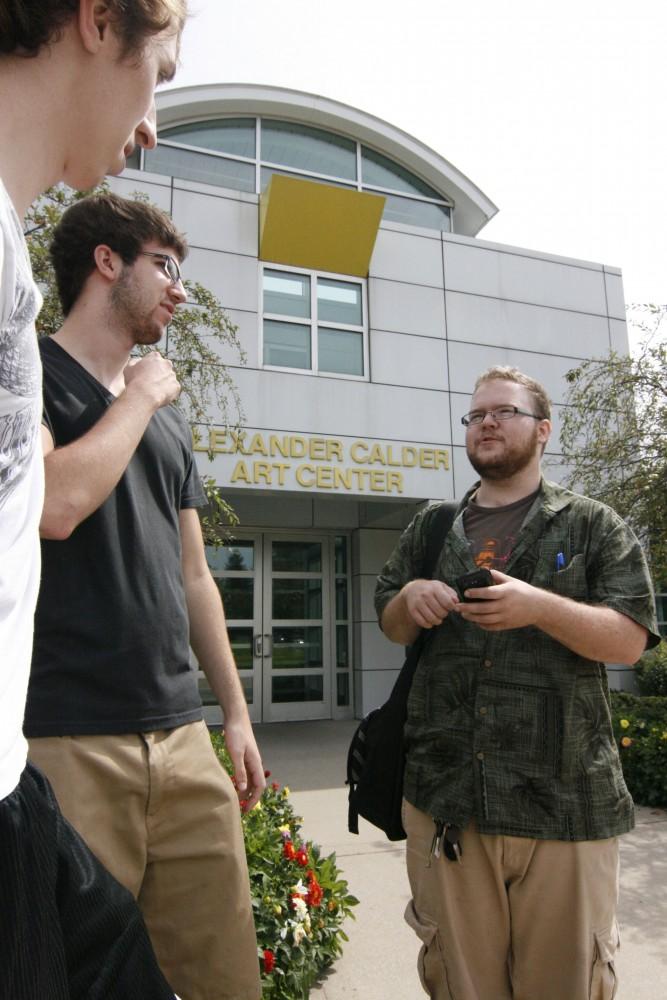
(299, 899)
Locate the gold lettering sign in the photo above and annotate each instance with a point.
(320, 463)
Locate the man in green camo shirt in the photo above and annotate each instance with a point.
(514, 794)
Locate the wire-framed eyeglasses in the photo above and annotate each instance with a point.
(500, 413)
(170, 264)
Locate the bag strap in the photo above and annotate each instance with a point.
(438, 529)
(436, 533)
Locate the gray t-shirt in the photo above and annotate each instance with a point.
(112, 650)
(492, 531)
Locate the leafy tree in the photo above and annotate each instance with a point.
(614, 432)
(198, 330)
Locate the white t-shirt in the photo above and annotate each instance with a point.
(21, 485)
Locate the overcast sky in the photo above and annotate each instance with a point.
(557, 111)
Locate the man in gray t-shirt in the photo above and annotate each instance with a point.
(120, 512)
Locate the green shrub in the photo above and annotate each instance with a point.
(653, 710)
(651, 672)
(640, 729)
(299, 899)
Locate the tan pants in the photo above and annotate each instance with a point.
(520, 919)
(162, 815)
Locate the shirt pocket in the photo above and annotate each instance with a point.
(571, 581)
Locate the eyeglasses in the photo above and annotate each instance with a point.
(500, 413)
(170, 264)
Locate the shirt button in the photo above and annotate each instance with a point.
(483, 710)
(480, 756)
(487, 663)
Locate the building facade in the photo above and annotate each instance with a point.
(347, 254)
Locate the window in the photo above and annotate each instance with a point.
(313, 322)
(235, 136)
(243, 153)
(380, 172)
(289, 144)
(200, 166)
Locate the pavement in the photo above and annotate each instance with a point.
(379, 960)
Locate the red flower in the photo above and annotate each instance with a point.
(302, 857)
(289, 851)
(269, 960)
(267, 774)
(275, 786)
(315, 890)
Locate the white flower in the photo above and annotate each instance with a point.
(300, 889)
(299, 934)
(300, 908)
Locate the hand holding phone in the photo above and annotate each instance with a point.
(478, 578)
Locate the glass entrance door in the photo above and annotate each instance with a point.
(237, 570)
(295, 642)
(278, 597)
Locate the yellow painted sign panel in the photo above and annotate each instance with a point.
(306, 224)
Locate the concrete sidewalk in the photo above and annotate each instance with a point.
(379, 961)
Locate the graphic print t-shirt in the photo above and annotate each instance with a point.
(21, 485)
(492, 531)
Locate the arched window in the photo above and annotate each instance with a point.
(243, 153)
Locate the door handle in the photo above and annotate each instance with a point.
(257, 645)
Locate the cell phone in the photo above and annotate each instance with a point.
(478, 578)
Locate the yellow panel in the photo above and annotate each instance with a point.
(319, 226)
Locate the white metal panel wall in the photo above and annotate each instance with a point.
(132, 181)
(314, 405)
(400, 360)
(614, 290)
(502, 323)
(401, 256)
(417, 310)
(520, 277)
(215, 222)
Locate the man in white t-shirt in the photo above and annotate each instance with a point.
(77, 83)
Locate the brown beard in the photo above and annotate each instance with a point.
(127, 306)
(513, 460)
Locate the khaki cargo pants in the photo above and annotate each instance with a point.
(520, 919)
(160, 812)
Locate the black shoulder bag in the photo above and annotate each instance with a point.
(376, 756)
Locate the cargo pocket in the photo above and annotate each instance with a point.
(430, 963)
(603, 980)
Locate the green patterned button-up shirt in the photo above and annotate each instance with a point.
(512, 728)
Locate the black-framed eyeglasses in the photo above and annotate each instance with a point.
(171, 268)
(499, 413)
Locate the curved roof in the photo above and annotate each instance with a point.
(179, 105)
